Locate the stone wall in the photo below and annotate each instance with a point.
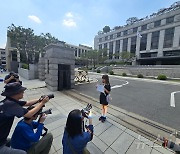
(29, 74)
(169, 71)
(57, 54)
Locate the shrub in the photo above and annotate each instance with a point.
(111, 73)
(124, 74)
(162, 77)
(140, 76)
(25, 66)
(98, 71)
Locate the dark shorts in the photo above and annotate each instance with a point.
(103, 100)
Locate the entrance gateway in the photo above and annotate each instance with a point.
(59, 62)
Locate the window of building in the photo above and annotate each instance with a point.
(143, 42)
(125, 44)
(168, 37)
(2, 52)
(3, 58)
(171, 53)
(79, 52)
(110, 50)
(155, 40)
(3, 62)
(100, 46)
(111, 36)
(106, 38)
(144, 27)
(100, 39)
(157, 23)
(135, 30)
(75, 53)
(170, 20)
(133, 44)
(117, 49)
(119, 34)
(125, 32)
(148, 55)
(105, 51)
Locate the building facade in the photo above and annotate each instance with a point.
(79, 50)
(154, 40)
(2, 58)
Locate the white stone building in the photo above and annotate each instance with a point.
(3, 58)
(78, 50)
(157, 44)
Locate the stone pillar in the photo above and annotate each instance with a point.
(129, 45)
(161, 42)
(58, 54)
(148, 46)
(41, 68)
(176, 37)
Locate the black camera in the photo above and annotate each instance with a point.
(49, 111)
(85, 111)
(50, 96)
(16, 76)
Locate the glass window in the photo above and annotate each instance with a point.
(133, 44)
(143, 42)
(110, 50)
(144, 27)
(125, 32)
(125, 44)
(117, 49)
(155, 40)
(157, 23)
(118, 34)
(79, 52)
(170, 20)
(105, 51)
(100, 46)
(135, 30)
(168, 37)
(100, 39)
(106, 38)
(111, 36)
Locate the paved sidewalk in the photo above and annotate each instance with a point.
(109, 137)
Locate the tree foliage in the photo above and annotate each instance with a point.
(106, 29)
(28, 44)
(131, 20)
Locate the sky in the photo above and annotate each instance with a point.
(73, 21)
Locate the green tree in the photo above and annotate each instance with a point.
(126, 57)
(106, 29)
(28, 44)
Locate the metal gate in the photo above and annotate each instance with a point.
(64, 77)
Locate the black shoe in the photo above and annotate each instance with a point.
(103, 119)
(100, 118)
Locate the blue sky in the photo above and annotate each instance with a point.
(73, 21)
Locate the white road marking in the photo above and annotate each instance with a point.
(172, 100)
(119, 86)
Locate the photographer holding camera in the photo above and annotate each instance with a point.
(26, 139)
(11, 107)
(12, 77)
(75, 138)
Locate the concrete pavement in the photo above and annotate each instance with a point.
(109, 137)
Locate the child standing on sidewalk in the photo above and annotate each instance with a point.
(103, 97)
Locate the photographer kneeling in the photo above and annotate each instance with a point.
(25, 139)
(12, 77)
(12, 107)
(75, 138)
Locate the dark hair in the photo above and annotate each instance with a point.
(74, 123)
(106, 78)
(30, 108)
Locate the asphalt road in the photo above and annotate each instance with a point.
(146, 98)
